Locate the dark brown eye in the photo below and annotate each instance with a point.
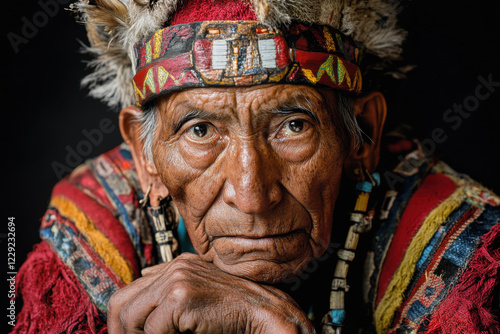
(294, 128)
(200, 131)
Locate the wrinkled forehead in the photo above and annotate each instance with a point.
(251, 103)
(256, 97)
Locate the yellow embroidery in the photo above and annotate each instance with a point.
(99, 242)
(326, 67)
(394, 295)
(149, 81)
(148, 51)
(157, 47)
(310, 76)
(330, 44)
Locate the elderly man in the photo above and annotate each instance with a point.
(250, 155)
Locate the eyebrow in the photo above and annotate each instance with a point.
(196, 113)
(292, 109)
(285, 109)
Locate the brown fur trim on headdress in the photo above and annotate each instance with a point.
(371, 22)
(113, 27)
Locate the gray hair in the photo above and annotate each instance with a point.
(148, 125)
(351, 132)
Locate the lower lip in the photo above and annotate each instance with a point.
(282, 248)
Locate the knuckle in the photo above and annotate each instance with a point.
(180, 264)
(179, 292)
(125, 316)
(179, 275)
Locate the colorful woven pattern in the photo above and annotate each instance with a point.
(240, 53)
(421, 252)
(95, 226)
(433, 267)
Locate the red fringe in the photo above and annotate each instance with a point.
(53, 300)
(469, 307)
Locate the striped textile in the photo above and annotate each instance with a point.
(431, 225)
(96, 227)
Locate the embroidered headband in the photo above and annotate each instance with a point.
(240, 53)
(145, 48)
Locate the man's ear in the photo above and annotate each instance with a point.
(370, 111)
(130, 128)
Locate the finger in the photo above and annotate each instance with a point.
(279, 294)
(135, 312)
(161, 321)
(171, 317)
(151, 270)
(154, 269)
(129, 308)
(179, 296)
(116, 322)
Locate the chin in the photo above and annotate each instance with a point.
(267, 259)
(266, 271)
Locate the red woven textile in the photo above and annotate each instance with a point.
(435, 189)
(472, 305)
(53, 301)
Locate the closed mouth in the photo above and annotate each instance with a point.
(260, 236)
(279, 248)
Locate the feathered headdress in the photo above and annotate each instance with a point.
(115, 26)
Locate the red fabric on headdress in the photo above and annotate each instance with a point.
(213, 10)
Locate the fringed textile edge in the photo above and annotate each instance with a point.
(53, 299)
(468, 308)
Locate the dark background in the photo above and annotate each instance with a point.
(45, 110)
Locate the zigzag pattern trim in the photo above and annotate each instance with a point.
(188, 55)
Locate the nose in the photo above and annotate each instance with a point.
(252, 183)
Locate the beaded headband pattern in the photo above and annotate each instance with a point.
(241, 53)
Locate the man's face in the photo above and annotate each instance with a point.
(255, 172)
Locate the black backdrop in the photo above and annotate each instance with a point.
(46, 113)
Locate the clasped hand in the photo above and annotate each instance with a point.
(192, 295)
